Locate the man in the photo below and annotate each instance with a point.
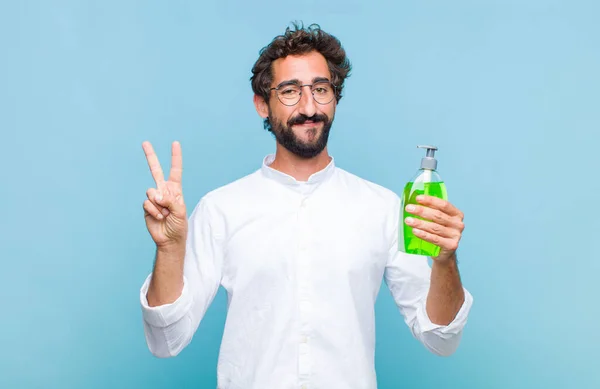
(300, 245)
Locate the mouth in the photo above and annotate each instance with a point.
(308, 124)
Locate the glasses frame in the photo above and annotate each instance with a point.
(301, 86)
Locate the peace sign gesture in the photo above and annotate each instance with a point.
(164, 211)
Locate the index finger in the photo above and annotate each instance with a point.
(176, 163)
(154, 165)
(442, 205)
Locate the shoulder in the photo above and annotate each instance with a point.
(233, 192)
(366, 189)
(229, 195)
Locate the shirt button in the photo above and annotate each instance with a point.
(304, 339)
(304, 387)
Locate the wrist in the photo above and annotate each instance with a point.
(445, 260)
(171, 248)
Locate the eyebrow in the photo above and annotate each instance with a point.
(295, 81)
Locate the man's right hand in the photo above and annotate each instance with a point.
(165, 211)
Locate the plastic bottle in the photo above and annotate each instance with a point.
(427, 181)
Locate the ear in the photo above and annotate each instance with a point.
(261, 106)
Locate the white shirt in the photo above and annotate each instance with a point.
(302, 264)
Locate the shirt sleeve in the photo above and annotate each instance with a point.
(408, 278)
(169, 328)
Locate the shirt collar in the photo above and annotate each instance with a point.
(304, 187)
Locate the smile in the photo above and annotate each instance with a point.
(308, 124)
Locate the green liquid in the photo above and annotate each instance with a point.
(412, 244)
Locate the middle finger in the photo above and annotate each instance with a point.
(433, 215)
(434, 228)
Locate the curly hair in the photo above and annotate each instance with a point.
(297, 41)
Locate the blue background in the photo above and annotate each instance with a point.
(508, 91)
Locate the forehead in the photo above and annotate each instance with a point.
(303, 68)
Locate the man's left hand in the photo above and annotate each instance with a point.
(443, 225)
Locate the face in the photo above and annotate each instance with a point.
(303, 128)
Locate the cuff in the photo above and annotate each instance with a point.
(166, 314)
(454, 327)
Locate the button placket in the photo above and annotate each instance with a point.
(303, 273)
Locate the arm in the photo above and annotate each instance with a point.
(443, 226)
(167, 276)
(433, 302)
(165, 215)
(446, 294)
(172, 312)
(411, 283)
(187, 268)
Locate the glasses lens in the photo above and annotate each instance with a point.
(289, 94)
(323, 92)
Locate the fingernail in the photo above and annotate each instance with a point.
(420, 198)
(409, 220)
(165, 212)
(410, 208)
(158, 197)
(159, 216)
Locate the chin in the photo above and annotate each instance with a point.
(309, 133)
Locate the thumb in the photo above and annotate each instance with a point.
(174, 203)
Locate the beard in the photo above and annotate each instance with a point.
(285, 136)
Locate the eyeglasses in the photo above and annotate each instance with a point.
(290, 93)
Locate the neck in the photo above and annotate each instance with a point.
(299, 168)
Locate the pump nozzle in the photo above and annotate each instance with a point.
(429, 162)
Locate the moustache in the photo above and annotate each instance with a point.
(301, 119)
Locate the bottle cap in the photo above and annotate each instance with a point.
(428, 162)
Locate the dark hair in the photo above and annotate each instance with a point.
(299, 41)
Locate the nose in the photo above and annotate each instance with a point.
(307, 104)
